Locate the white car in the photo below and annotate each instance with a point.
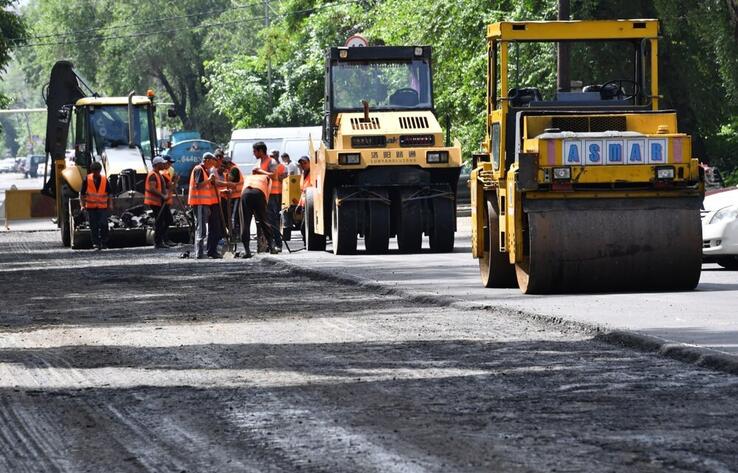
(720, 228)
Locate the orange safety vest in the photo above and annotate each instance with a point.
(205, 195)
(239, 185)
(167, 182)
(276, 187)
(149, 197)
(258, 181)
(96, 198)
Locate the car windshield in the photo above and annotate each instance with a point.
(110, 126)
(385, 85)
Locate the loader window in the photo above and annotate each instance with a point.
(385, 85)
(109, 125)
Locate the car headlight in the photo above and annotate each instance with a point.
(726, 213)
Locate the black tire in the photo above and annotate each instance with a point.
(313, 241)
(494, 266)
(442, 233)
(66, 235)
(64, 217)
(410, 223)
(79, 240)
(729, 262)
(377, 231)
(344, 224)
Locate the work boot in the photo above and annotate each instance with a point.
(273, 251)
(247, 255)
(215, 256)
(170, 243)
(161, 246)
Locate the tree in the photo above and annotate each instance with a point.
(136, 45)
(12, 34)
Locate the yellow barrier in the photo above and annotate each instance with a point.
(21, 204)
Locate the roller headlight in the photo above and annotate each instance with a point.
(349, 158)
(664, 173)
(562, 174)
(436, 157)
(725, 214)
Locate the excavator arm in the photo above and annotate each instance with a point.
(62, 92)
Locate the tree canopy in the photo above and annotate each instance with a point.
(252, 63)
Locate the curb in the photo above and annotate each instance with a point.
(691, 354)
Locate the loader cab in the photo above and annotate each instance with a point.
(106, 123)
(386, 78)
(613, 69)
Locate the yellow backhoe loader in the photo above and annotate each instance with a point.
(120, 133)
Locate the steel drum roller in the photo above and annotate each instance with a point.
(611, 245)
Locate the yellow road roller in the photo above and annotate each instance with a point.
(587, 187)
(382, 168)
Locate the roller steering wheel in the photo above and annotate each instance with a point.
(620, 90)
(405, 93)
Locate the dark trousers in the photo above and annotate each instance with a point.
(98, 219)
(230, 214)
(273, 209)
(253, 204)
(162, 220)
(215, 229)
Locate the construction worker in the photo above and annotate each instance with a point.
(292, 168)
(305, 182)
(203, 198)
(96, 197)
(171, 179)
(235, 179)
(270, 167)
(254, 204)
(155, 196)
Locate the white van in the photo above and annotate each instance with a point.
(290, 140)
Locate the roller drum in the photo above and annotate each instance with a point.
(611, 245)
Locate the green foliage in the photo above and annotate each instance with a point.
(251, 71)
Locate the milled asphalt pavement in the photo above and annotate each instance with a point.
(705, 318)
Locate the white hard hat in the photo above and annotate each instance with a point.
(158, 160)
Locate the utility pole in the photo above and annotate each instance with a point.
(269, 57)
(562, 56)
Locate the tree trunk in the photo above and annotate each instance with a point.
(733, 15)
(180, 105)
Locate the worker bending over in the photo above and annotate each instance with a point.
(96, 198)
(254, 204)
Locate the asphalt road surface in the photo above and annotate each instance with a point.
(135, 360)
(705, 317)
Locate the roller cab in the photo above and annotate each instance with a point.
(591, 188)
(383, 168)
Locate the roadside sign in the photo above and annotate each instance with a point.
(356, 41)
